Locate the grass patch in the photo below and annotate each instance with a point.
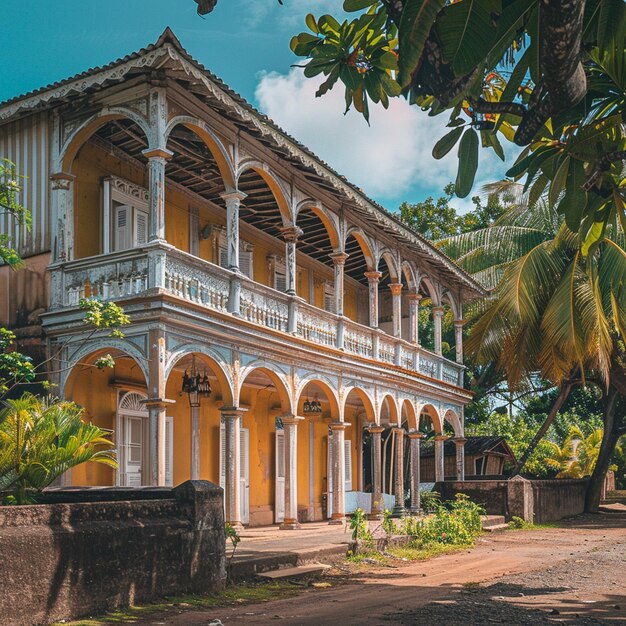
(517, 523)
(405, 553)
(422, 553)
(237, 594)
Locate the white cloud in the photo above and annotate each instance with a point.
(387, 158)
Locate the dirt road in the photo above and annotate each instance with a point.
(575, 575)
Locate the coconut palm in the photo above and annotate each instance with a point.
(558, 309)
(42, 439)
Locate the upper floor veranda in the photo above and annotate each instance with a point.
(163, 181)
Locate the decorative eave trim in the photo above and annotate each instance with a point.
(82, 84)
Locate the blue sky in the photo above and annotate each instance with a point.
(246, 43)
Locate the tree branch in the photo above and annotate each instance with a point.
(603, 166)
(481, 105)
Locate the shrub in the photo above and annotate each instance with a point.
(360, 528)
(431, 500)
(40, 440)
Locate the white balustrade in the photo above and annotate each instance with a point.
(428, 366)
(264, 306)
(357, 340)
(317, 325)
(197, 281)
(103, 277)
(124, 274)
(386, 350)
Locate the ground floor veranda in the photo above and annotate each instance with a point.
(287, 451)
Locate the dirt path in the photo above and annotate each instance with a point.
(575, 574)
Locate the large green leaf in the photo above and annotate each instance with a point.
(417, 19)
(467, 30)
(447, 142)
(575, 199)
(468, 163)
(357, 5)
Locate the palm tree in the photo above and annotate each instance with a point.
(40, 440)
(558, 309)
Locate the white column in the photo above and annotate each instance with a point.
(233, 202)
(195, 441)
(157, 407)
(62, 216)
(459, 442)
(232, 462)
(157, 160)
(415, 439)
(396, 308)
(437, 317)
(339, 262)
(439, 458)
(373, 279)
(414, 307)
(376, 512)
(290, 426)
(398, 509)
(290, 235)
(458, 340)
(338, 472)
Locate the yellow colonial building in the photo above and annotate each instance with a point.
(273, 346)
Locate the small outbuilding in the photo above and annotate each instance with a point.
(484, 456)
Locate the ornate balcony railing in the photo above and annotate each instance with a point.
(161, 268)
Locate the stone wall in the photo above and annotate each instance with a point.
(536, 501)
(92, 550)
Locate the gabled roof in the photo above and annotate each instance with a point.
(167, 48)
(473, 446)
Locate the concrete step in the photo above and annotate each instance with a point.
(248, 565)
(495, 528)
(291, 573)
(492, 520)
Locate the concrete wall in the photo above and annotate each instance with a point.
(538, 501)
(491, 494)
(93, 550)
(556, 499)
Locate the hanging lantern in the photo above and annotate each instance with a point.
(196, 385)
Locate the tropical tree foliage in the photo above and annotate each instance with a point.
(40, 440)
(548, 76)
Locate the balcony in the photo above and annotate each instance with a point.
(163, 268)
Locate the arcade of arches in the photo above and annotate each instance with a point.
(286, 453)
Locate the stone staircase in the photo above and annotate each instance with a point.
(614, 502)
(494, 523)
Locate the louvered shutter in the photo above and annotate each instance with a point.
(348, 464)
(169, 451)
(122, 227)
(222, 456)
(244, 474)
(223, 255)
(279, 508)
(280, 275)
(245, 262)
(141, 227)
(329, 476)
(329, 297)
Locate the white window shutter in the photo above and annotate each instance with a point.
(329, 476)
(329, 297)
(141, 227)
(222, 456)
(244, 474)
(223, 256)
(169, 451)
(348, 464)
(279, 512)
(122, 227)
(245, 262)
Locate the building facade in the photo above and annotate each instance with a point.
(246, 265)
